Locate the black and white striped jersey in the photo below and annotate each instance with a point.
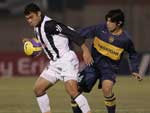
(55, 37)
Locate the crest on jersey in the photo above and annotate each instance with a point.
(111, 39)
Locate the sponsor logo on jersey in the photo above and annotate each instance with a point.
(107, 49)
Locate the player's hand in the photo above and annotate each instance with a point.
(24, 40)
(87, 55)
(87, 58)
(137, 76)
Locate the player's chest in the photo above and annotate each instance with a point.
(41, 35)
(119, 41)
(59, 40)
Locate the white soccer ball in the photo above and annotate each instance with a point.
(32, 47)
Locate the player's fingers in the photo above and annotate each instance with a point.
(24, 40)
(90, 62)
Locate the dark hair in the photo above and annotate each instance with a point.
(31, 8)
(117, 16)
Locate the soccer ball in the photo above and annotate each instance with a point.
(32, 47)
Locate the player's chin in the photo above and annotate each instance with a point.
(32, 24)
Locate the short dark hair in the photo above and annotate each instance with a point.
(117, 16)
(31, 8)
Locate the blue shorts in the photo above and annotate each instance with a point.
(106, 70)
(91, 74)
(87, 79)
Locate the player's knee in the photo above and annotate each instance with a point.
(72, 88)
(38, 91)
(107, 91)
(74, 93)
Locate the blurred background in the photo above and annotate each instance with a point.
(18, 72)
(75, 13)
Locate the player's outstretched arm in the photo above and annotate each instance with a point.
(86, 55)
(137, 76)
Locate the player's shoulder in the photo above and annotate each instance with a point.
(100, 26)
(49, 21)
(46, 18)
(127, 35)
(95, 27)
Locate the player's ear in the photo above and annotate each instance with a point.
(119, 23)
(39, 13)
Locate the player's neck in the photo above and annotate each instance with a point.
(118, 31)
(40, 20)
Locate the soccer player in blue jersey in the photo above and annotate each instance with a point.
(110, 42)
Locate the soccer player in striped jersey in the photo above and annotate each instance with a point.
(63, 64)
(110, 42)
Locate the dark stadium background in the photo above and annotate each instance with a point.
(77, 14)
(18, 72)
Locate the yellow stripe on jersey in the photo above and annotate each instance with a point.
(107, 49)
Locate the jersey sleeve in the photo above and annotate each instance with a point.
(133, 56)
(88, 32)
(52, 27)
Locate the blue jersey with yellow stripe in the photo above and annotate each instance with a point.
(110, 47)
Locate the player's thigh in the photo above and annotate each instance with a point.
(71, 87)
(108, 79)
(47, 77)
(70, 66)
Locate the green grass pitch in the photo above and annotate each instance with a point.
(16, 96)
